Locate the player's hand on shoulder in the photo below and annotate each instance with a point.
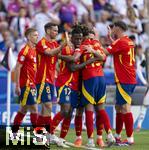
(87, 48)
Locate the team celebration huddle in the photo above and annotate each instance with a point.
(75, 68)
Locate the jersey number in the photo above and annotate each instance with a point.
(67, 91)
(132, 57)
(93, 64)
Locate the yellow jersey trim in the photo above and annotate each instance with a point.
(102, 100)
(42, 85)
(25, 97)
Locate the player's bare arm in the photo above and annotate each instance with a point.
(110, 34)
(98, 54)
(74, 67)
(105, 51)
(18, 69)
(54, 51)
(72, 58)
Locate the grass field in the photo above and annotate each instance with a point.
(141, 142)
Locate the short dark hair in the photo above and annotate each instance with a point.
(85, 30)
(121, 25)
(49, 25)
(76, 29)
(91, 31)
(132, 37)
(29, 30)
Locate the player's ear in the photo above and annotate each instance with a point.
(48, 31)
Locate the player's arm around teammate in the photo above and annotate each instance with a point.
(93, 90)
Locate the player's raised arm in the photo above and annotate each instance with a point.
(110, 34)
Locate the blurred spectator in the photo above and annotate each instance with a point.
(18, 26)
(6, 42)
(139, 4)
(102, 23)
(44, 16)
(14, 7)
(34, 6)
(100, 5)
(134, 24)
(129, 4)
(84, 8)
(3, 26)
(140, 64)
(67, 14)
(20, 23)
(119, 7)
(86, 20)
(3, 18)
(2, 7)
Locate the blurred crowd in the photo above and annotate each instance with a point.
(17, 15)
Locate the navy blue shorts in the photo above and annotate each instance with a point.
(66, 95)
(123, 93)
(93, 91)
(28, 96)
(45, 92)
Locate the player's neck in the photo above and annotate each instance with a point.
(49, 38)
(32, 45)
(120, 35)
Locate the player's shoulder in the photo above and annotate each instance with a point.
(127, 41)
(96, 43)
(117, 41)
(41, 42)
(24, 50)
(55, 43)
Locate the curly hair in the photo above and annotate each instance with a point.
(76, 29)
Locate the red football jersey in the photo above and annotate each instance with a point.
(65, 76)
(124, 60)
(46, 65)
(27, 57)
(93, 69)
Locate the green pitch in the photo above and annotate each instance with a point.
(141, 141)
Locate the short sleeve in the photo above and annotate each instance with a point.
(114, 47)
(41, 46)
(22, 55)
